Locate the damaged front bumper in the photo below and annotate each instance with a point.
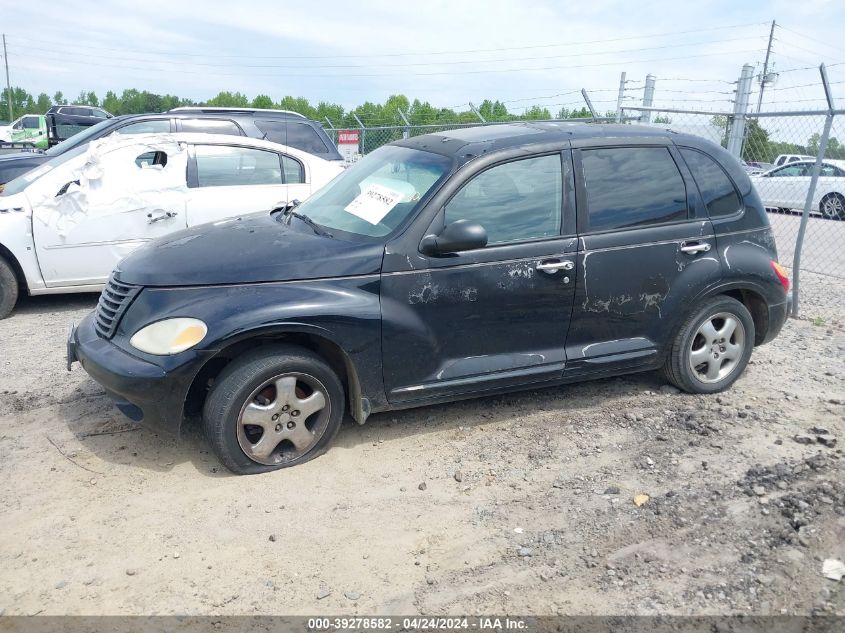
(146, 393)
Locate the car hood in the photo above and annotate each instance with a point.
(246, 250)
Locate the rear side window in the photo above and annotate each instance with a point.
(716, 189)
(222, 166)
(156, 126)
(211, 126)
(293, 171)
(298, 135)
(632, 187)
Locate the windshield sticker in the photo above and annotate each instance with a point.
(375, 202)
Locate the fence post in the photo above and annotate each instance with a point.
(477, 113)
(648, 99)
(743, 92)
(363, 134)
(808, 203)
(620, 97)
(406, 131)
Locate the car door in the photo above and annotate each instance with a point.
(226, 181)
(785, 187)
(647, 246)
(90, 213)
(491, 317)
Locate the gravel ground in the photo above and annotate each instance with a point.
(515, 504)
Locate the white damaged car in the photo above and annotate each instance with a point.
(65, 225)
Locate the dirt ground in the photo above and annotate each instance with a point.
(527, 503)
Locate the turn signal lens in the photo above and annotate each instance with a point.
(169, 336)
(780, 271)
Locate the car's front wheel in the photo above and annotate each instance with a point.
(273, 407)
(8, 288)
(712, 347)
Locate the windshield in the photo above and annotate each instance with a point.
(78, 139)
(373, 197)
(16, 185)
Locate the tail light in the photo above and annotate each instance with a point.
(780, 271)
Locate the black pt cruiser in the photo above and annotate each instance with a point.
(440, 267)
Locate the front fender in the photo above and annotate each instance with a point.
(16, 240)
(344, 312)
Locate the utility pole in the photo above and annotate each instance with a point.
(765, 76)
(620, 97)
(406, 132)
(589, 103)
(8, 85)
(648, 98)
(477, 113)
(743, 91)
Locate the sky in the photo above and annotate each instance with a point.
(523, 52)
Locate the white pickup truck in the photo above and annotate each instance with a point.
(65, 225)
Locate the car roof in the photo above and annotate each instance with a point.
(830, 161)
(201, 138)
(232, 110)
(477, 139)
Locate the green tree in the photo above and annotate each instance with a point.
(43, 103)
(662, 118)
(262, 101)
(229, 100)
(756, 147)
(59, 98)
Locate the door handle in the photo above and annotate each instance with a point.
(551, 266)
(162, 216)
(695, 247)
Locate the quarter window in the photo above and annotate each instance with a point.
(222, 166)
(515, 201)
(632, 187)
(297, 135)
(293, 171)
(716, 189)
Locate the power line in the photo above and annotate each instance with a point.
(812, 39)
(217, 54)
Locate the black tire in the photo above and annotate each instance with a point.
(678, 369)
(837, 201)
(8, 288)
(241, 385)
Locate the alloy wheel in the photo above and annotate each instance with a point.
(283, 418)
(717, 347)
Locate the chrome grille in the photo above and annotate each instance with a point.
(114, 300)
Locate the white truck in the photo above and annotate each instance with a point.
(65, 225)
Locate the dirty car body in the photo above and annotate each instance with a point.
(531, 255)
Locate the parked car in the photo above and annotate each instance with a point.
(786, 187)
(30, 129)
(446, 266)
(784, 159)
(253, 123)
(78, 115)
(64, 226)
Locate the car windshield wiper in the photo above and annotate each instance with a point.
(289, 213)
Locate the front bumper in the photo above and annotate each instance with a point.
(145, 392)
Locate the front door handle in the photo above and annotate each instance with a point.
(161, 216)
(551, 266)
(695, 247)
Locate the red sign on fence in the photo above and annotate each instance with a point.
(347, 137)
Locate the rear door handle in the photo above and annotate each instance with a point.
(695, 247)
(551, 266)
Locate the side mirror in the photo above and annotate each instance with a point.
(462, 235)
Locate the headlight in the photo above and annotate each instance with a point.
(170, 336)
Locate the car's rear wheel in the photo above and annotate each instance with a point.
(832, 206)
(8, 288)
(712, 347)
(273, 407)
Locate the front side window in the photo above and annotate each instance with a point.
(632, 187)
(223, 166)
(790, 171)
(297, 135)
(514, 201)
(155, 126)
(211, 126)
(715, 187)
